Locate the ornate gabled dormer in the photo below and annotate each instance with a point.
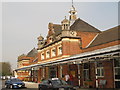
(51, 29)
(40, 41)
(51, 32)
(73, 15)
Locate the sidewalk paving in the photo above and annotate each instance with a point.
(31, 85)
(35, 85)
(97, 89)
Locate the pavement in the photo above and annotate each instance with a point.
(1, 84)
(34, 86)
(31, 85)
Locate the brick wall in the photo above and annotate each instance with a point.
(108, 74)
(71, 47)
(86, 37)
(102, 46)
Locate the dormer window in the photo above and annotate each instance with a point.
(51, 39)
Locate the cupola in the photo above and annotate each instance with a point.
(65, 24)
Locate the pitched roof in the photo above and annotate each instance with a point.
(80, 25)
(106, 36)
(32, 53)
(57, 29)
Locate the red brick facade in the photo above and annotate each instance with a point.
(69, 51)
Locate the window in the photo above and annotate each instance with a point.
(117, 68)
(59, 50)
(100, 71)
(99, 64)
(51, 39)
(45, 82)
(86, 74)
(86, 65)
(117, 62)
(117, 71)
(42, 56)
(86, 71)
(53, 52)
(48, 54)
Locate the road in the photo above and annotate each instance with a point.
(34, 86)
(29, 86)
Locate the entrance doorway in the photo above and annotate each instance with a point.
(73, 70)
(52, 72)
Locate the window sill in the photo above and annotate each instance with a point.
(100, 76)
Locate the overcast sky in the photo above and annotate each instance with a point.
(23, 22)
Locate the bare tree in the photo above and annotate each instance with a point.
(6, 68)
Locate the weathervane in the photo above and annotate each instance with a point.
(72, 2)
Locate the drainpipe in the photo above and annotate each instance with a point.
(113, 73)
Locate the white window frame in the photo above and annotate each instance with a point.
(42, 56)
(47, 55)
(87, 74)
(116, 73)
(53, 54)
(59, 51)
(101, 71)
(115, 69)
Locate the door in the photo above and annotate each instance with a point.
(73, 70)
(53, 72)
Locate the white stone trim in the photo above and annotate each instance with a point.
(58, 50)
(42, 56)
(47, 54)
(53, 52)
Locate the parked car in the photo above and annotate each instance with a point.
(14, 83)
(3, 77)
(54, 84)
